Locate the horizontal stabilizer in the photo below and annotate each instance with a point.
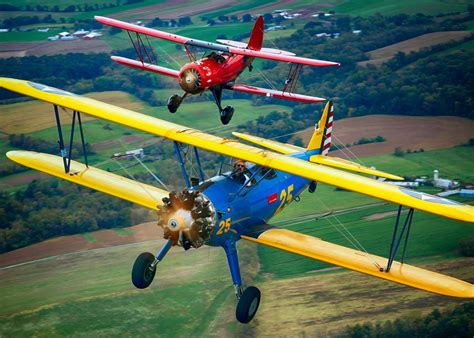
(94, 178)
(352, 166)
(273, 93)
(240, 44)
(282, 148)
(145, 66)
(363, 262)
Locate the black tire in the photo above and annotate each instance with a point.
(142, 275)
(173, 103)
(248, 305)
(226, 114)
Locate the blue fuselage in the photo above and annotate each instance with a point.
(243, 207)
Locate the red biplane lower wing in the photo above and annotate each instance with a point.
(145, 66)
(273, 93)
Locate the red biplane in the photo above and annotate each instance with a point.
(218, 69)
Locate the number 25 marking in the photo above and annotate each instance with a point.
(285, 198)
(224, 226)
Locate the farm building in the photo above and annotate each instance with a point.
(443, 183)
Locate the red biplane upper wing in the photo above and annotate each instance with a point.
(210, 45)
(273, 93)
(146, 66)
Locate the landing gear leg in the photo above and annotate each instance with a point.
(248, 299)
(227, 112)
(144, 268)
(175, 101)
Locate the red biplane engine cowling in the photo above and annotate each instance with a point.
(211, 71)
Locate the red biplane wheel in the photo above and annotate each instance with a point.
(226, 114)
(173, 103)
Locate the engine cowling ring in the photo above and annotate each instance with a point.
(187, 218)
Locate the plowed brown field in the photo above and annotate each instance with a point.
(407, 132)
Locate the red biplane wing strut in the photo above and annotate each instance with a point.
(215, 46)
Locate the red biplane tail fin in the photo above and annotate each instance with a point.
(321, 138)
(256, 38)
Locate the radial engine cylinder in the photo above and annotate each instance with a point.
(187, 218)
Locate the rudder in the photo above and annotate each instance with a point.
(321, 138)
(256, 37)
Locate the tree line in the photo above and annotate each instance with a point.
(452, 322)
(49, 208)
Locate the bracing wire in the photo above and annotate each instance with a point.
(350, 237)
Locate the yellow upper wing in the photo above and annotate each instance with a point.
(97, 179)
(235, 149)
(316, 248)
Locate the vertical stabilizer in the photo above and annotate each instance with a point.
(256, 38)
(321, 138)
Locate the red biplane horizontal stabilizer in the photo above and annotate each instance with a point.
(240, 44)
(273, 93)
(145, 66)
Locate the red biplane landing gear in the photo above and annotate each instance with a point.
(227, 112)
(174, 102)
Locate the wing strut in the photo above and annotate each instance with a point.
(407, 227)
(181, 154)
(292, 78)
(141, 48)
(67, 154)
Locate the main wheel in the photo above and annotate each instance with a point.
(173, 103)
(226, 114)
(142, 272)
(248, 304)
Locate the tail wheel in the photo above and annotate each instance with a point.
(248, 305)
(143, 272)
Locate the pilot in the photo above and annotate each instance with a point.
(240, 172)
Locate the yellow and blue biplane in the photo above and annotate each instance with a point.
(239, 204)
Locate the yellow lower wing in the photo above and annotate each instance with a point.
(316, 248)
(100, 180)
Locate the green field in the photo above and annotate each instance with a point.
(92, 291)
(392, 7)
